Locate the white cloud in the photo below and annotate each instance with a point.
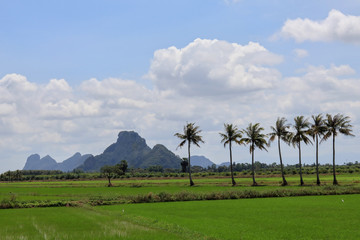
(17, 83)
(66, 108)
(336, 27)
(7, 109)
(113, 88)
(58, 85)
(320, 88)
(300, 53)
(213, 67)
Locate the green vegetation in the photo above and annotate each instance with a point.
(77, 193)
(112, 171)
(173, 210)
(314, 217)
(323, 217)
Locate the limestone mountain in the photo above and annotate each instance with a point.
(34, 162)
(132, 148)
(73, 162)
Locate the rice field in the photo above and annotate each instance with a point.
(311, 217)
(306, 217)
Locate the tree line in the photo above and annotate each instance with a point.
(319, 129)
(240, 169)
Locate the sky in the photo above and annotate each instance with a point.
(73, 74)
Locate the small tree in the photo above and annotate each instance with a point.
(184, 164)
(122, 167)
(109, 172)
(18, 175)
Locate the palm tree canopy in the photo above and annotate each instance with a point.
(301, 131)
(254, 137)
(337, 124)
(191, 134)
(231, 134)
(280, 130)
(318, 127)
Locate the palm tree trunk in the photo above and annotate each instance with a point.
(191, 181)
(252, 165)
(231, 167)
(301, 178)
(335, 182)
(282, 167)
(317, 161)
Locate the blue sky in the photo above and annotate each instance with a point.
(75, 73)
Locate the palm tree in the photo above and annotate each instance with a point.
(335, 125)
(191, 135)
(300, 135)
(317, 129)
(231, 134)
(281, 132)
(256, 139)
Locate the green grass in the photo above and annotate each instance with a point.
(311, 217)
(93, 190)
(72, 223)
(320, 217)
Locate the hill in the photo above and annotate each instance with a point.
(201, 161)
(34, 162)
(132, 148)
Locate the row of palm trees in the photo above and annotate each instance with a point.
(321, 129)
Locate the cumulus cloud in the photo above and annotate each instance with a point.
(213, 67)
(321, 89)
(336, 27)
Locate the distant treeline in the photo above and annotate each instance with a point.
(240, 169)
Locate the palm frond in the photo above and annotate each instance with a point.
(231, 134)
(302, 132)
(191, 134)
(337, 124)
(254, 137)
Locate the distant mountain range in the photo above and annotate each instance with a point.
(224, 164)
(201, 161)
(129, 146)
(34, 162)
(205, 162)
